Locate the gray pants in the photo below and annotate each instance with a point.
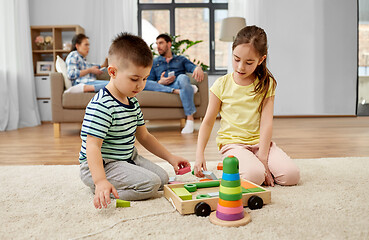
(133, 182)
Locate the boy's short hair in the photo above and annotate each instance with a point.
(166, 37)
(126, 46)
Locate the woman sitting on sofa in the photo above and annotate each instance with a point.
(80, 72)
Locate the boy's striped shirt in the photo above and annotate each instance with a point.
(114, 122)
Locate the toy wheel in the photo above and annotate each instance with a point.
(202, 209)
(255, 202)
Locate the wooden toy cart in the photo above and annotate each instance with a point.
(254, 197)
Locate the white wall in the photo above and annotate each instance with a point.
(312, 46)
(101, 19)
(312, 52)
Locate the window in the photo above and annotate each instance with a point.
(190, 19)
(363, 55)
(363, 37)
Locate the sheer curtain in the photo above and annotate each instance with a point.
(312, 52)
(18, 105)
(108, 18)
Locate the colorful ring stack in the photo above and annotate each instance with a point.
(230, 206)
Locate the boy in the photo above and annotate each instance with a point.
(109, 162)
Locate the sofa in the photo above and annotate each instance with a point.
(70, 107)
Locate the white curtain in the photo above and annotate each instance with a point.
(18, 105)
(312, 52)
(108, 18)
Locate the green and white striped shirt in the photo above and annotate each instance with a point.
(114, 122)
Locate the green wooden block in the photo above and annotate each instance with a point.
(244, 190)
(253, 190)
(182, 193)
(122, 203)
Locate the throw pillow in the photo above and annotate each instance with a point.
(61, 67)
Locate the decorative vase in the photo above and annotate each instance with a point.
(44, 47)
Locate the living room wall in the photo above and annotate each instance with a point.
(313, 47)
(312, 50)
(102, 20)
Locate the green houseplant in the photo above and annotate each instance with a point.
(179, 47)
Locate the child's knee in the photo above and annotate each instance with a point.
(153, 185)
(164, 178)
(256, 176)
(289, 178)
(143, 190)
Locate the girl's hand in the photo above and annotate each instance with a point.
(178, 162)
(269, 180)
(199, 165)
(103, 188)
(95, 70)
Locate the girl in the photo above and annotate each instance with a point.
(245, 100)
(82, 73)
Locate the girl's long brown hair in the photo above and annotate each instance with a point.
(258, 39)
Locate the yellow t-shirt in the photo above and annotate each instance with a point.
(240, 118)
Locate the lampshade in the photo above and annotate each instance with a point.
(230, 27)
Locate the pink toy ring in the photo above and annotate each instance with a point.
(229, 210)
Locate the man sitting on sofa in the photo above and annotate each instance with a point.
(168, 74)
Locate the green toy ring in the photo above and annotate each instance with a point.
(190, 187)
(201, 196)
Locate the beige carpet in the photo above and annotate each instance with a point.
(50, 202)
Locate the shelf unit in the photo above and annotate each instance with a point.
(60, 34)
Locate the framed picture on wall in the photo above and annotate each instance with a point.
(45, 67)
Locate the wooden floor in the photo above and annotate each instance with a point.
(299, 137)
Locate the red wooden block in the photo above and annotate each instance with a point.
(184, 170)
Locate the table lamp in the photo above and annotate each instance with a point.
(230, 27)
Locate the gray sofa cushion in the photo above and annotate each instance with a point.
(145, 98)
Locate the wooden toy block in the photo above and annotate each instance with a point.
(220, 166)
(214, 194)
(122, 203)
(210, 175)
(201, 196)
(253, 190)
(182, 193)
(190, 187)
(175, 182)
(184, 170)
(171, 179)
(207, 184)
(247, 185)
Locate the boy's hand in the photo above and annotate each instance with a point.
(199, 165)
(178, 162)
(103, 188)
